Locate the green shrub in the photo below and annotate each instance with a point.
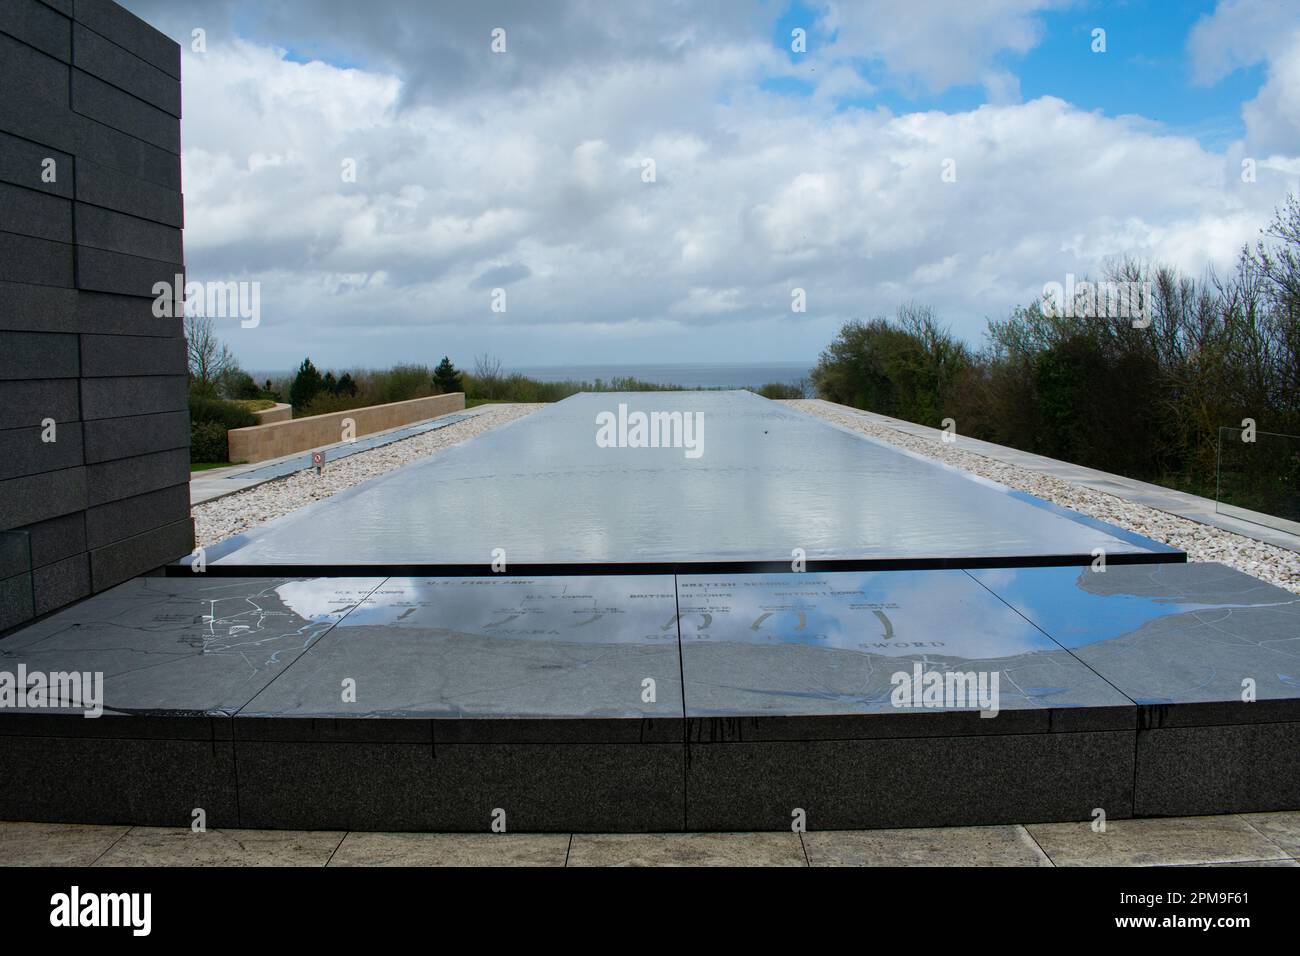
(778, 391)
(230, 414)
(208, 442)
(255, 404)
(326, 402)
(908, 367)
(235, 383)
(401, 383)
(210, 419)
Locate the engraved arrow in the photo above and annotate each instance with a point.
(889, 626)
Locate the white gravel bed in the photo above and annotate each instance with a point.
(1201, 542)
(224, 517)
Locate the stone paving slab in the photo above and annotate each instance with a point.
(453, 849)
(829, 643)
(1159, 842)
(1182, 641)
(55, 844)
(562, 648)
(687, 849)
(939, 846)
(1282, 829)
(172, 846)
(190, 646)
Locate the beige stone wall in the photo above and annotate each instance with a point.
(279, 412)
(263, 442)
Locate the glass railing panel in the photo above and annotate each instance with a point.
(1259, 478)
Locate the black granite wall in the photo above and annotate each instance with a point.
(90, 219)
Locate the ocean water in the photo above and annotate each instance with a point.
(686, 375)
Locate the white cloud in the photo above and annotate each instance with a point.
(1240, 33)
(536, 186)
(941, 43)
(1273, 117)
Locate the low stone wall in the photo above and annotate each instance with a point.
(263, 442)
(279, 412)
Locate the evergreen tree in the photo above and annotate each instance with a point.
(446, 378)
(307, 384)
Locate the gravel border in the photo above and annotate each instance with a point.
(1201, 542)
(220, 518)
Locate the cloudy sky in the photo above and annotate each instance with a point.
(773, 169)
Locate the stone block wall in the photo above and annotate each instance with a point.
(275, 440)
(94, 429)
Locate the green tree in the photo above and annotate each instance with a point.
(235, 383)
(446, 378)
(307, 384)
(907, 367)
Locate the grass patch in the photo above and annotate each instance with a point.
(254, 404)
(209, 465)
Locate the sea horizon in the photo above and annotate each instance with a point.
(681, 374)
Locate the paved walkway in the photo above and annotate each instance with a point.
(1191, 507)
(1258, 839)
